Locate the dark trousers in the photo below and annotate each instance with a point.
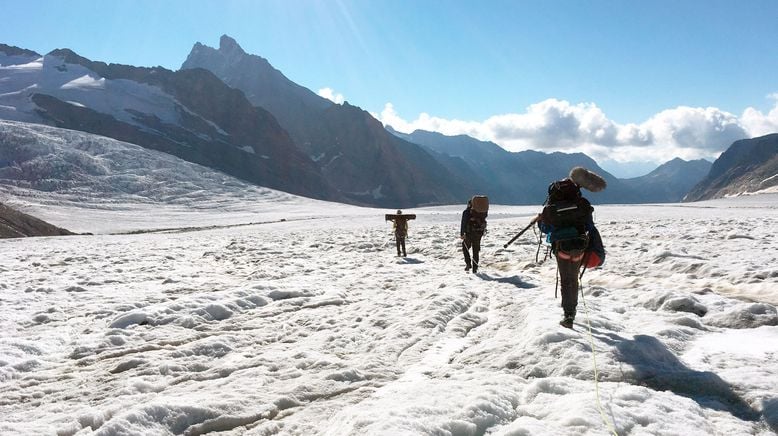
(471, 240)
(568, 282)
(400, 242)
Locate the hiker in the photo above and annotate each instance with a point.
(567, 221)
(472, 229)
(400, 227)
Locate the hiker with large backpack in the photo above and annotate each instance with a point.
(575, 242)
(472, 229)
(400, 224)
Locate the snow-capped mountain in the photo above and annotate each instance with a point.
(354, 152)
(747, 166)
(11, 55)
(188, 113)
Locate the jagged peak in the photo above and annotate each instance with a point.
(69, 56)
(229, 45)
(12, 50)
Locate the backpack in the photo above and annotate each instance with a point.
(479, 210)
(566, 215)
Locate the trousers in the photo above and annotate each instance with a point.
(568, 281)
(472, 240)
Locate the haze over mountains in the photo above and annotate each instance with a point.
(232, 111)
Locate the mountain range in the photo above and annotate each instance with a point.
(234, 112)
(523, 177)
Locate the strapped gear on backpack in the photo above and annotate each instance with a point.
(479, 210)
(563, 190)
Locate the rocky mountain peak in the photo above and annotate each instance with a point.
(228, 45)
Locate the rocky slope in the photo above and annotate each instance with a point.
(15, 224)
(747, 166)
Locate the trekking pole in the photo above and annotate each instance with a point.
(534, 220)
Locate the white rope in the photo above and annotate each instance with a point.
(605, 421)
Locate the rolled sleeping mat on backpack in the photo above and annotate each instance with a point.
(587, 179)
(394, 216)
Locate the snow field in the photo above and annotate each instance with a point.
(315, 327)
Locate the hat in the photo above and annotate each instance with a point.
(399, 212)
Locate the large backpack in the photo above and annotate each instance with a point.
(566, 213)
(479, 210)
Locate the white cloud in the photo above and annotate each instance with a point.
(557, 125)
(759, 124)
(331, 95)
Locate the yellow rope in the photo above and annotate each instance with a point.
(605, 420)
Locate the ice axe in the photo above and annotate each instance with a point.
(534, 220)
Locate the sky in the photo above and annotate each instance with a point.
(632, 84)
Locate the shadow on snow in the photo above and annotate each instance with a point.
(656, 367)
(512, 280)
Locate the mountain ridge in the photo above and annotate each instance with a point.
(747, 166)
(522, 177)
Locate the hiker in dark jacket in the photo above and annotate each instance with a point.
(470, 233)
(567, 220)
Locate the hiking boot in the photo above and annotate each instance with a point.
(475, 269)
(567, 321)
(467, 267)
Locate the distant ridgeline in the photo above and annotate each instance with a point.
(234, 112)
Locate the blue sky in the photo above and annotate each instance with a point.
(516, 72)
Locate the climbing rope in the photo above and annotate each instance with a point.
(605, 420)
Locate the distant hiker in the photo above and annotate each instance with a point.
(400, 227)
(472, 229)
(567, 221)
